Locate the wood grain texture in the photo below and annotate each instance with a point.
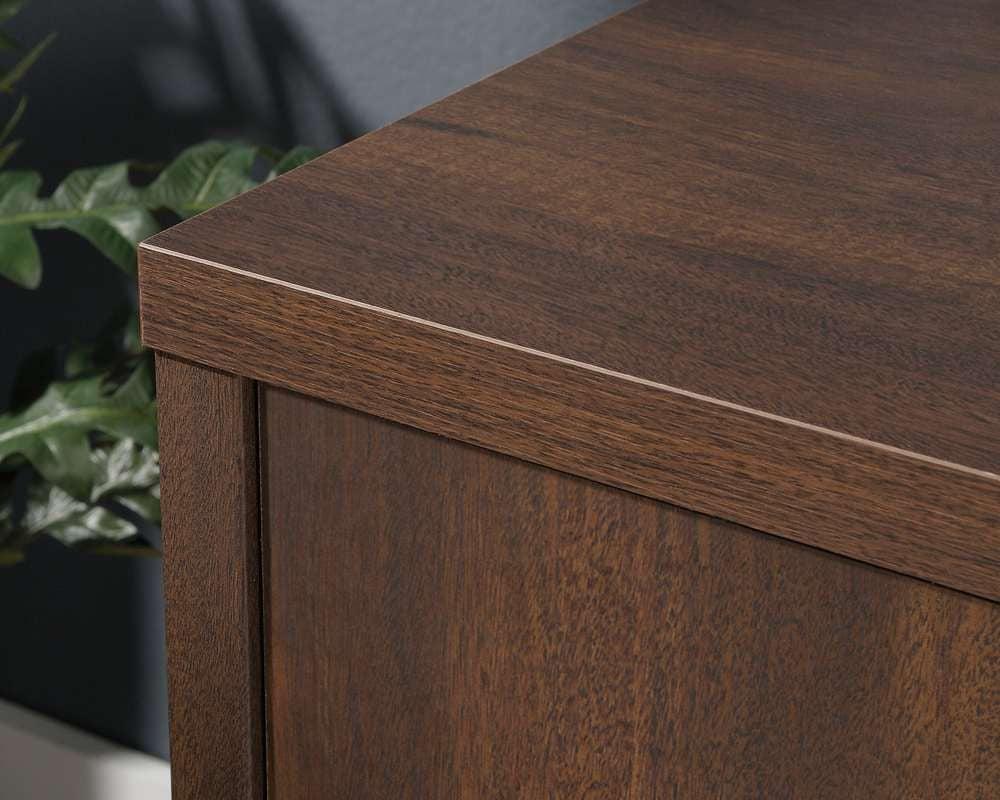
(211, 535)
(446, 622)
(841, 494)
(768, 231)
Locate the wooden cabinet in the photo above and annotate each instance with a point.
(626, 425)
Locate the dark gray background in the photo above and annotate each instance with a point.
(82, 636)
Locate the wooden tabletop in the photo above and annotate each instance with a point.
(760, 237)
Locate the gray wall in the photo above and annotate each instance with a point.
(387, 58)
(82, 636)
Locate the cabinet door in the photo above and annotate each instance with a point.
(446, 622)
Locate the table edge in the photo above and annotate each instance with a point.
(906, 511)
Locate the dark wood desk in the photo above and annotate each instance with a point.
(626, 425)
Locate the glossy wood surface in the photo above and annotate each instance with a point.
(881, 506)
(779, 218)
(446, 622)
(211, 537)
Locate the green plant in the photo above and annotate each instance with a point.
(10, 77)
(79, 463)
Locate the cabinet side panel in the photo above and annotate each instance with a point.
(208, 450)
(447, 622)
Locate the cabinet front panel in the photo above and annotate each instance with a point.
(445, 622)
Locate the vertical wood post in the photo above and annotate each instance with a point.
(211, 532)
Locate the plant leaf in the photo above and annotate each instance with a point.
(19, 258)
(58, 514)
(18, 194)
(53, 433)
(10, 8)
(138, 391)
(203, 176)
(98, 203)
(101, 205)
(22, 104)
(15, 73)
(124, 467)
(126, 486)
(7, 151)
(146, 503)
(295, 157)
